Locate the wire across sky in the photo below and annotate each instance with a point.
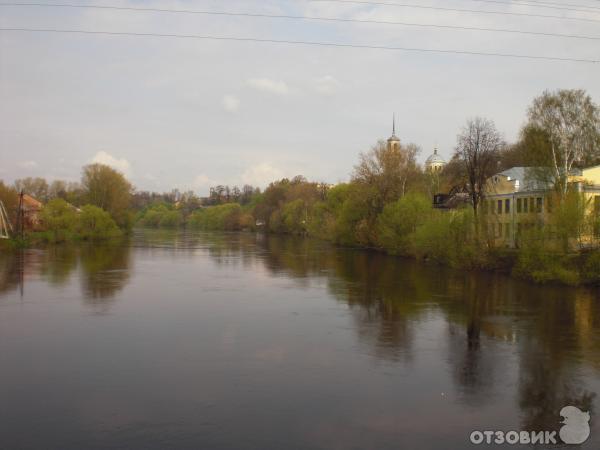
(295, 17)
(258, 15)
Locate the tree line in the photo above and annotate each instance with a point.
(387, 203)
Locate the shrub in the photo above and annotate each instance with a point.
(162, 216)
(536, 262)
(399, 221)
(449, 237)
(95, 223)
(59, 220)
(220, 217)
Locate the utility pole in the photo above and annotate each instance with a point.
(20, 225)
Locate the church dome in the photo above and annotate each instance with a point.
(435, 161)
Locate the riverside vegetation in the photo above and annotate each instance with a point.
(386, 205)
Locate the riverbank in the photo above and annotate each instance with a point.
(408, 227)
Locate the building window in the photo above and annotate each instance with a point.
(525, 205)
(507, 206)
(499, 206)
(538, 204)
(519, 205)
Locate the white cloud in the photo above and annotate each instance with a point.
(327, 85)
(230, 103)
(268, 85)
(261, 174)
(202, 182)
(27, 164)
(122, 165)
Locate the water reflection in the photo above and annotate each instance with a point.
(338, 347)
(553, 330)
(104, 269)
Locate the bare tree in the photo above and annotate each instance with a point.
(478, 147)
(571, 122)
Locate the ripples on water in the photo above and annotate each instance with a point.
(235, 341)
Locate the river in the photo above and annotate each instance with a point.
(174, 340)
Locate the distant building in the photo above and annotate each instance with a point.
(393, 141)
(31, 212)
(435, 163)
(516, 199)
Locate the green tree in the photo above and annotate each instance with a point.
(399, 221)
(59, 219)
(108, 189)
(10, 197)
(95, 223)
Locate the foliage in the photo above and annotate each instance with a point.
(221, 217)
(161, 215)
(449, 238)
(389, 169)
(536, 262)
(591, 268)
(108, 189)
(10, 198)
(59, 220)
(95, 223)
(399, 221)
(568, 220)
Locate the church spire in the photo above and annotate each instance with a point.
(393, 124)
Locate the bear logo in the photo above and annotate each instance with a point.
(575, 429)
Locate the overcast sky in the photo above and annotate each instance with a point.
(192, 113)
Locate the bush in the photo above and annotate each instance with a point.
(591, 268)
(95, 223)
(59, 220)
(161, 216)
(222, 217)
(537, 263)
(449, 238)
(399, 221)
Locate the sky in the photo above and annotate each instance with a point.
(190, 114)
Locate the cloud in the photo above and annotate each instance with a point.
(122, 165)
(230, 103)
(202, 183)
(327, 85)
(261, 174)
(268, 85)
(27, 164)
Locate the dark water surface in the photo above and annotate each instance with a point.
(241, 341)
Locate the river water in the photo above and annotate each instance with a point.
(176, 340)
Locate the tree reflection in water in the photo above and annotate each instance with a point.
(551, 328)
(105, 270)
(491, 325)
